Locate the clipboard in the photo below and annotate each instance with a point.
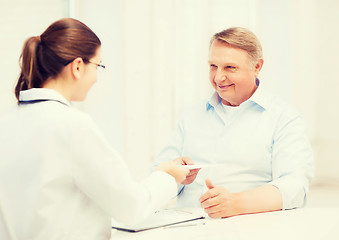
(161, 218)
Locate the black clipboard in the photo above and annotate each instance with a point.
(161, 218)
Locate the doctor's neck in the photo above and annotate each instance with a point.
(61, 87)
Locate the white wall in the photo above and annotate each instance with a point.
(156, 57)
(326, 84)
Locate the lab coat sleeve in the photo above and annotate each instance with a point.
(292, 161)
(101, 174)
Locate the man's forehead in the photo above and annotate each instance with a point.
(227, 53)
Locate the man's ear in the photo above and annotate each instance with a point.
(258, 66)
(76, 67)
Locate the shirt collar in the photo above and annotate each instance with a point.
(213, 101)
(43, 94)
(259, 97)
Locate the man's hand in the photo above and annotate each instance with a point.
(218, 202)
(193, 172)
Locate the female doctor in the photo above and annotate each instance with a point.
(59, 178)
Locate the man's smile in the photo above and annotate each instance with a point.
(224, 86)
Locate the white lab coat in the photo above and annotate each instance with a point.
(60, 179)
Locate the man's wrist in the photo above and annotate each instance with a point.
(238, 204)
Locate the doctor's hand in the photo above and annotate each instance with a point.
(192, 172)
(218, 202)
(174, 169)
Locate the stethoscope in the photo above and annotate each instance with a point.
(21, 102)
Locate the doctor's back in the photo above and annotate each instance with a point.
(36, 169)
(50, 152)
(59, 178)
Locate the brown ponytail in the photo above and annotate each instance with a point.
(28, 65)
(45, 56)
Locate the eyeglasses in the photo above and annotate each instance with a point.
(99, 66)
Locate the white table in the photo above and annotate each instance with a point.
(299, 224)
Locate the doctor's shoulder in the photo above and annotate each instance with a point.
(68, 119)
(79, 119)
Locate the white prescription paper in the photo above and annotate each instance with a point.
(195, 166)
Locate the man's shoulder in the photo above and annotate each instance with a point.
(273, 101)
(283, 105)
(283, 110)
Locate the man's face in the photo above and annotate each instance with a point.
(232, 74)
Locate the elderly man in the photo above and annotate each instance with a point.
(253, 144)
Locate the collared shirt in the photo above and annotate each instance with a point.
(263, 141)
(60, 179)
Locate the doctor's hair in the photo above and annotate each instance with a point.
(242, 38)
(45, 56)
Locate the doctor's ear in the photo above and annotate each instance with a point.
(76, 67)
